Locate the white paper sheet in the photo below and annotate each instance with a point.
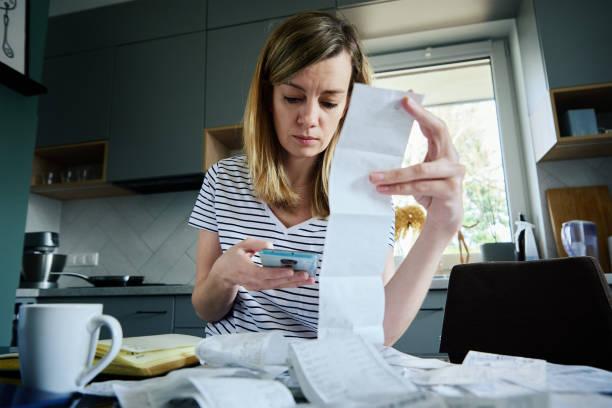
(580, 401)
(578, 379)
(468, 375)
(242, 392)
(398, 359)
(157, 392)
(107, 388)
(253, 350)
(531, 400)
(529, 372)
(373, 137)
(342, 369)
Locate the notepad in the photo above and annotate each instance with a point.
(148, 356)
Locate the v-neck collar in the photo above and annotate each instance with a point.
(280, 224)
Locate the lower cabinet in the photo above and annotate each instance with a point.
(423, 335)
(185, 319)
(162, 314)
(144, 315)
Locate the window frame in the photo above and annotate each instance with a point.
(513, 161)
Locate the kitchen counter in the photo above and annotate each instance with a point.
(145, 290)
(440, 282)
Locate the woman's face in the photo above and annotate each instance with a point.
(309, 106)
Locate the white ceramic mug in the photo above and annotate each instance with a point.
(57, 344)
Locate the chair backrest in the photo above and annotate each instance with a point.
(559, 310)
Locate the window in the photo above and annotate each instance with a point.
(459, 87)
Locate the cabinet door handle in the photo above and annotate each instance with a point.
(432, 309)
(159, 312)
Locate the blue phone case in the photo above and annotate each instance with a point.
(298, 261)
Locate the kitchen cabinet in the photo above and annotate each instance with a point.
(147, 314)
(225, 13)
(77, 106)
(78, 32)
(185, 319)
(106, 27)
(143, 20)
(157, 114)
(561, 63)
(221, 143)
(231, 55)
(575, 41)
(351, 3)
(138, 315)
(567, 146)
(74, 171)
(144, 315)
(423, 335)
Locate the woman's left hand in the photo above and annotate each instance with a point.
(437, 182)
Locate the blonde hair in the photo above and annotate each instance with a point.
(300, 41)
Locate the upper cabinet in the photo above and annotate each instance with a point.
(123, 23)
(352, 3)
(566, 59)
(232, 50)
(223, 13)
(151, 19)
(157, 117)
(575, 40)
(231, 55)
(77, 105)
(131, 74)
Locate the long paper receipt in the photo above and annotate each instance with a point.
(374, 137)
(344, 368)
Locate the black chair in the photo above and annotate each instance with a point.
(559, 310)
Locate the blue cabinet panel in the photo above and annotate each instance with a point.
(231, 55)
(224, 13)
(77, 105)
(157, 115)
(423, 335)
(575, 39)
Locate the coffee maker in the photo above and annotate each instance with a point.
(40, 258)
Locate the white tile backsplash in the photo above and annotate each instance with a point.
(136, 235)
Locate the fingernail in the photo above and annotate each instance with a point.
(383, 189)
(377, 176)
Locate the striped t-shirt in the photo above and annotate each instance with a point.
(226, 205)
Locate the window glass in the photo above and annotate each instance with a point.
(462, 95)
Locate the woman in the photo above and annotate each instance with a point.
(277, 194)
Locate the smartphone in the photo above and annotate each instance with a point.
(298, 261)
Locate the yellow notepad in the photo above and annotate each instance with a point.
(151, 355)
(139, 356)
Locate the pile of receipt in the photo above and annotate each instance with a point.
(266, 370)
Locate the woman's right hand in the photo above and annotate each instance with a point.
(235, 268)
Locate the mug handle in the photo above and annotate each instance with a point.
(116, 334)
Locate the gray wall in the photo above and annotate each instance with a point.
(136, 235)
(18, 118)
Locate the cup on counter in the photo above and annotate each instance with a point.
(57, 344)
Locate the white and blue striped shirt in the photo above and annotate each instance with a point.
(226, 205)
